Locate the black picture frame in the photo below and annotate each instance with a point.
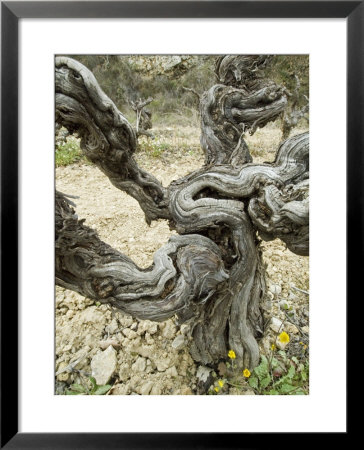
(11, 12)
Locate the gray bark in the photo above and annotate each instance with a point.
(211, 275)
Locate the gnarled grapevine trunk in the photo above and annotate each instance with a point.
(211, 274)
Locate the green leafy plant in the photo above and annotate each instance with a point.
(68, 153)
(277, 374)
(154, 148)
(84, 389)
(280, 376)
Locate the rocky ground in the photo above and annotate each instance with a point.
(143, 357)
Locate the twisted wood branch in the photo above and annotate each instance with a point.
(214, 279)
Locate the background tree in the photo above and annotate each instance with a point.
(293, 73)
(210, 275)
(143, 117)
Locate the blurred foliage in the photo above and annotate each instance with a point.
(283, 69)
(123, 82)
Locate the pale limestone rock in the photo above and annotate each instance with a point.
(105, 344)
(124, 371)
(156, 389)
(290, 328)
(125, 321)
(162, 364)
(276, 325)
(172, 371)
(139, 365)
(146, 388)
(179, 342)
(64, 376)
(121, 389)
(275, 289)
(103, 365)
(185, 329)
(112, 327)
(148, 351)
(169, 330)
(130, 334)
(147, 326)
(149, 366)
(185, 390)
(203, 373)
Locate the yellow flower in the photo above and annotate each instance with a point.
(231, 354)
(283, 337)
(246, 373)
(216, 389)
(221, 383)
(304, 347)
(301, 343)
(273, 347)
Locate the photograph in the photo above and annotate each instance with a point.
(181, 224)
